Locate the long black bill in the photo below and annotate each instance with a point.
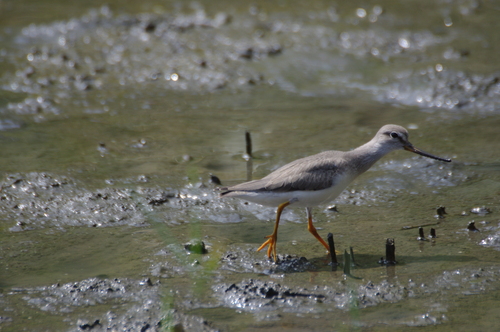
(413, 149)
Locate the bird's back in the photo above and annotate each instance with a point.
(316, 172)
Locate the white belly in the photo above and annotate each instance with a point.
(300, 198)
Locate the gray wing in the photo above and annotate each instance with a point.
(311, 173)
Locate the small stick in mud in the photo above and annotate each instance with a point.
(390, 253)
(333, 256)
(248, 155)
(421, 236)
(432, 235)
(248, 141)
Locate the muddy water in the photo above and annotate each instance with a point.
(113, 118)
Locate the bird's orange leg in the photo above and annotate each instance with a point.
(273, 238)
(312, 229)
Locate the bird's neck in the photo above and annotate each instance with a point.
(366, 155)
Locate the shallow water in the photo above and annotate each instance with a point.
(113, 118)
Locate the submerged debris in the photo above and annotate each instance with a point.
(85, 325)
(441, 211)
(472, 227)
(332, 208)
(215, 180)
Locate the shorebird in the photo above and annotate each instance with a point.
(319, 179)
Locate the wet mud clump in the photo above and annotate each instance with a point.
(247, 260)
(258, 295)
(253, 294)
(136, 305)
(42, 200)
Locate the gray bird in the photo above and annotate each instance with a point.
(319, 179)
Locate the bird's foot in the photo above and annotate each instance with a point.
(271, 241)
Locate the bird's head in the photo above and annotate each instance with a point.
(394, 137)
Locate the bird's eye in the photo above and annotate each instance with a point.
(394, 134)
